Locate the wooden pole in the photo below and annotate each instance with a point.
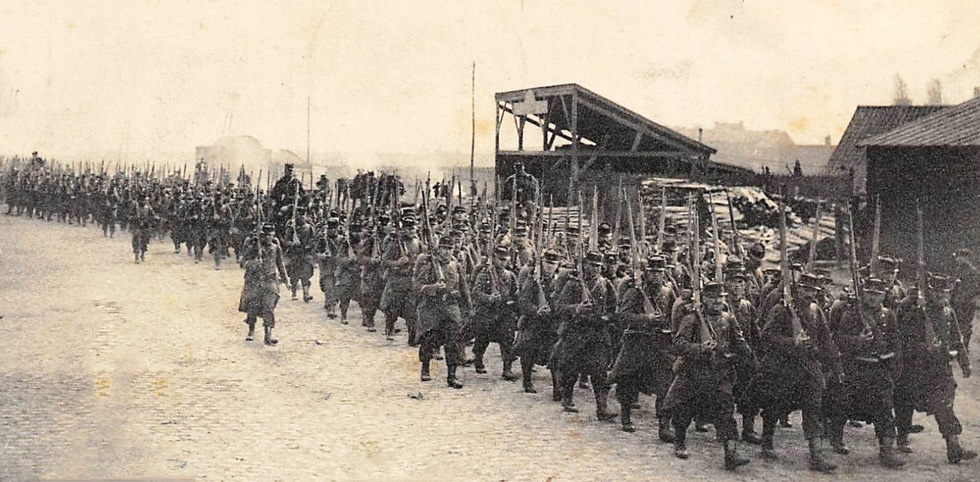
(472, 143)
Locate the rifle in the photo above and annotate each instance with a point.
(663, 219)
(513, 206)
(706, 332)
(875, 239)
(634, 262)
(736, 246)
(436, 267)
(586, 293)
(868, 328)
(619, 211)
(642, 239)
(295, 206)
(258, 225)
(594, 220)
(551, 223)
(449, 202)
(543, 306)
(813, 242)
(799, 333)
(719, 273)
(934, 341)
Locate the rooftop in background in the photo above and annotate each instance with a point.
(867, 122)
(958, 125)
(755, 150)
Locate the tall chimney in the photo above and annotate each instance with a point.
(700, 135)
(826, 141)
(976, 92)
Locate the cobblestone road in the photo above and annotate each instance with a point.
(114, 370)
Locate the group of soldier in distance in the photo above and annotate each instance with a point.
(656, 313)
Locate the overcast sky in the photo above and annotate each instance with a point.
(395, 75)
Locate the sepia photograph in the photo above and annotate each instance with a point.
(498, 240)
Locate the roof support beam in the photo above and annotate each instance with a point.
(636, 141)
(536, 123)
(626, 154)
(634, 125)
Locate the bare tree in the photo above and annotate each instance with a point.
(935, 90)
(901, 92)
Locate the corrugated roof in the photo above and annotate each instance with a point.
(954, 126)
(867, 122)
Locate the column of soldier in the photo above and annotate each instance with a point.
(658, 314)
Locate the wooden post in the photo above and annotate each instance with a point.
(573, 178)
(472, 142)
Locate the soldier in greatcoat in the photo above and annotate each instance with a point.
(645, 360)
(263, 260)
(442, 300)
(706, 343)
(930, 339)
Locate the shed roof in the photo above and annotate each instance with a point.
(869, 121)
(600, 117)
(958, 125)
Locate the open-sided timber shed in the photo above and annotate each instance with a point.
(582, 132)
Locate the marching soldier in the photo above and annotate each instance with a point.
(262, 259)
(398, 298)
(328, 248)
(737, 282)
(494, 318)
(645, 361)
(888, 271)
(537, 325)
(706, 344)
(965, 294)
(141, 226)
(798, 346)
(299, 257)
(442, 289)
(348, 282)
(930, 338)
(585, 305)
(865, 332)
(372, 280)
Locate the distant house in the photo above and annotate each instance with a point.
(867, 122)
(234, 152)
(757, 150)
(814, 158)
(933, 161)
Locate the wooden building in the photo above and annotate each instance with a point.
(583, 132)
(933, 160)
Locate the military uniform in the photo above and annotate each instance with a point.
(867, 337)
(926, 382)
(645, 360)
(372, 281)
(792, 373)
(262, 260)
(747, 316)
(442, 300)
(299, 255)
(704, 375)
(494, 295)
(398, 298)
(584, 345)
(141, 229)
(537, 326)
(327, 251)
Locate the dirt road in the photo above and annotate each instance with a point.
(114, 370)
